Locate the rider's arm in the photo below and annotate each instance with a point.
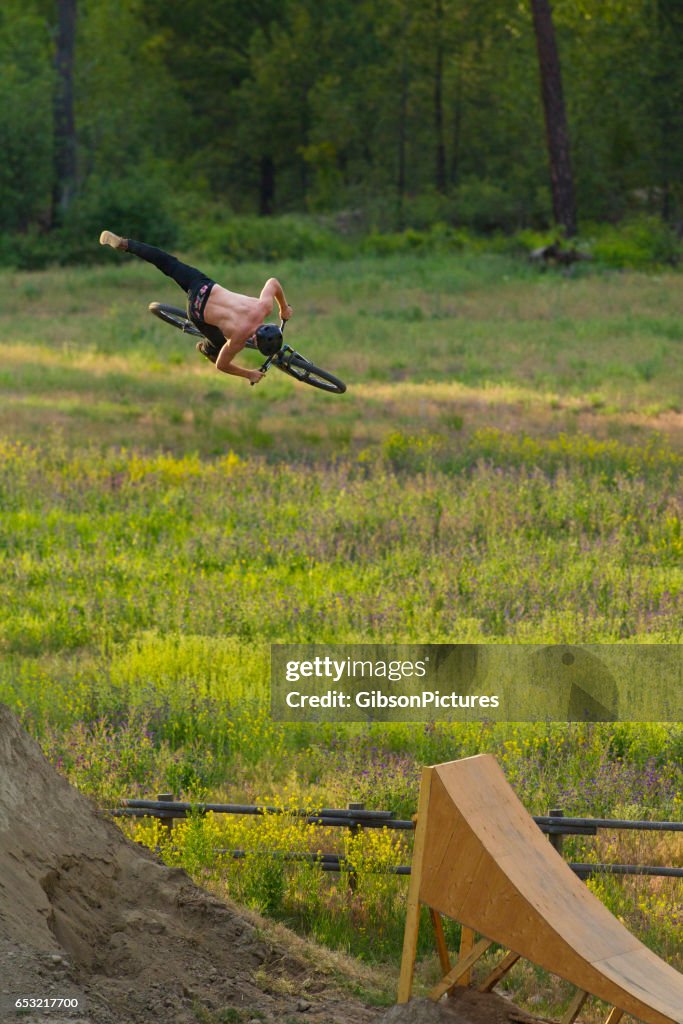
(224, 362)
(272, 291)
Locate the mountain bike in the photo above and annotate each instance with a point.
(294, 364)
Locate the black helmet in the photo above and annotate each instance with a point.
(268, 339)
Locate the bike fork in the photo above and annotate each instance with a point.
(280, 354)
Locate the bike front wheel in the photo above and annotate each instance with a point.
(298, 367)
(175, 316)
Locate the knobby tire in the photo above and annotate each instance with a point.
(298, 367)
(176, 317)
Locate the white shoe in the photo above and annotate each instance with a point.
(115, 241)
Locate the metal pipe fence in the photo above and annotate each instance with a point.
(556, 825)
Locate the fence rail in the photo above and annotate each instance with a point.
(347, 817)
(555, 825)
(607, 823)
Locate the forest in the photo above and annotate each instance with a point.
(364, 114)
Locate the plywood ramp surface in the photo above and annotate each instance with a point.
(488, 865)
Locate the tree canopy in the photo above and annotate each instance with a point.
(410, 108)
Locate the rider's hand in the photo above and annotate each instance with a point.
(255, 376)
(286, 312)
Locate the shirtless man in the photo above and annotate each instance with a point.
(226, 319)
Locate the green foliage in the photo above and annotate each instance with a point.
(130, 113)
(610, 459)
(485, 206)
(91, 629)
(577, 454)
(439, 238)
(653, 912)
(426, 210)
(108, 761)
(139, 207)
(133, 206)
(31, 250)
(218, 235)
(352, 120)
(26, 81)
(636, 243)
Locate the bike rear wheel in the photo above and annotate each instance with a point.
(298, 367)
(175, 316)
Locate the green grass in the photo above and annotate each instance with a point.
(600, 352)
(505, 466)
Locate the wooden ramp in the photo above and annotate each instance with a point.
(481, 859)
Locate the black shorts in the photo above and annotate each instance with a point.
(197, 297)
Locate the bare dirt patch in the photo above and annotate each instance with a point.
(464, 1007)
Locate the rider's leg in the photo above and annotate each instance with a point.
(214, 342)
(197, 285)
(185, 276)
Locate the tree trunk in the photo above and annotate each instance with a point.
(440, 177)
(64, 183)
(266, 186)
(457, 127)
(557, 132)
(666, 112)
(402, 142)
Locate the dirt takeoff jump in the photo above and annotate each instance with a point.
(481, 859)
(85, 913)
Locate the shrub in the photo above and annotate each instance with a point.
(428, 208)
(636, 243)
(485, 206)
(134, 207)
(30, 250)
(218, 236)
(439, 238)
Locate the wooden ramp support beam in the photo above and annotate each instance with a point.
(574, 1008)
(466, 946)
(441, 946)
(490, 982)
(462, 966)
(614, 1016)
(412, 926)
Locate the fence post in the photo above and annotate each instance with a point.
(354, 829)
(166, 819)
(556, 839)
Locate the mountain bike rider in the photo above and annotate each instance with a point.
(226, 319)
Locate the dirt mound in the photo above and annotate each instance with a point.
(464, 1007)
(84, 912)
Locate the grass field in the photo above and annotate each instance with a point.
(505, 466)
